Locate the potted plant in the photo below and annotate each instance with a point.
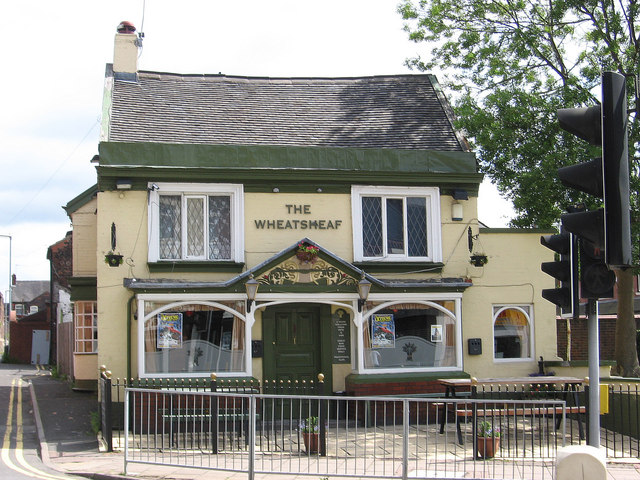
(113, 259)
(487, 439)
(307, 253)
(478, 260)
(310, 431)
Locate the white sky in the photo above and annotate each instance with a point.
(54, 56)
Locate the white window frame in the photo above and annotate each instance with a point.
(527, 310)
(434, 228)
(235, 191)
(429, 300)
(171, 300)
(93, 328)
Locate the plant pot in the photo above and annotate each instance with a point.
(486, 447)
(311, 442)
(307, 256)
(113, 260)
(479, 260)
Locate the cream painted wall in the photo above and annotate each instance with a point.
(512, 276)
(84, 239)
(85, 367)
(128, 210)
(261, 244)
(512, 256)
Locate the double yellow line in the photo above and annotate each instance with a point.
(24, 468)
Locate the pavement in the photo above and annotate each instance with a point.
(68, 444)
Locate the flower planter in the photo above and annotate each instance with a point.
(309, 257)
(113, 260)
(310, 442)
(478, 260)
(486, 447)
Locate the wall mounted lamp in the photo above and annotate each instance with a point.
(252, 289)
(457, 211)
(124, 184)
(364, 286)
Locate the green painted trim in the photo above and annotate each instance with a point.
(284, 157)
(518, 230)
(619, 380)
(84, 288)
(399, 267)
(186, 266)
(577, 363)
(365, 379)
(85, 197)
(262, 180)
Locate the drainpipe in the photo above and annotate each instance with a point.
(129, 309)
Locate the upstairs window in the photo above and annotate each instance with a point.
(196, 222)
(396, 224)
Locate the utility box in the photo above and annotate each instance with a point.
(474, 346)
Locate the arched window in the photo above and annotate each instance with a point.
(512, 332)
(193, 338)
(420, 335)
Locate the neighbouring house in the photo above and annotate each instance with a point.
(3, 325)
(60, 262)
(29, 297)
(278, 228)
(29, 328)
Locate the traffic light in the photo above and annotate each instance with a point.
(596, 279)
(607, 229)
(564, 270)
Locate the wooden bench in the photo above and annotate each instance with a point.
(226, 414)
(510, 412)
(504, 412)
(183, 422)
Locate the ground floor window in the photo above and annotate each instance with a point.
(86, 327)
(411, 336)
(512, 332)
(193, 338)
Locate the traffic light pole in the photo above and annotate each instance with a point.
(594, 373)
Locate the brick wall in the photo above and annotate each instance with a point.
(579, 338)
(20, 336)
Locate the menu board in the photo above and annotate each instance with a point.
(341, 336)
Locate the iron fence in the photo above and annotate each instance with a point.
(342, 436)
(620, 419)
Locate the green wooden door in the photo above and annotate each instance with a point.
(292, 343)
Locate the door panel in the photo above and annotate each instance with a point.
(292, 343)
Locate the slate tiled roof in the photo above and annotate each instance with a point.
(400, 111)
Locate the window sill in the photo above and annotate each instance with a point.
(399, 267)
(195, 266)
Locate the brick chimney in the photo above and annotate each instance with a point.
(125, 52)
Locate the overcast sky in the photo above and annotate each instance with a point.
(53, 63)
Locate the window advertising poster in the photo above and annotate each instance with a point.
(436, 333)
(169, 330)
(383, 331)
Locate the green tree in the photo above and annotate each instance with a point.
(512, 64)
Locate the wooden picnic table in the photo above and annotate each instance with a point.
(454, 387)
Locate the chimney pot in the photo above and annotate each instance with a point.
(126, 27)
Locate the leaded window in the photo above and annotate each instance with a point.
(396, 223)
(200, 223)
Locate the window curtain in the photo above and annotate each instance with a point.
(237, 344)
(517, 321)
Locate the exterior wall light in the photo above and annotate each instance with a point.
(124, 184)
(252, 289)
(364, 286)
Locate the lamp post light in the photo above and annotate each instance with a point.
(8, 313)
(364, 286)
(252, 289)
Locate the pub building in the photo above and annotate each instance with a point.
(278, 228)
